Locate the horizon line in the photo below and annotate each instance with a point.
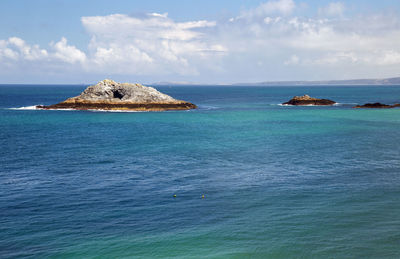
(343, 82)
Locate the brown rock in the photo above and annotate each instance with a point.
(307, 100)
(376, 106)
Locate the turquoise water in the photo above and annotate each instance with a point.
(279, 182)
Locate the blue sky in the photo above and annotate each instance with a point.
(54, 41)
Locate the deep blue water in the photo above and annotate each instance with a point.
(279, 182)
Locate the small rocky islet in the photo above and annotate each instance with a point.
(110, 95)
(377, 106)
(307, 100)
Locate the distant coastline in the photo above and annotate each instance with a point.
(349, 82)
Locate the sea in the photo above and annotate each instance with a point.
(240, 177)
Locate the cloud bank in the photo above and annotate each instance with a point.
(150, 44)
(269, 42)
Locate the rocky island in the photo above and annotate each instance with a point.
(307, 100)
(110, 95)
(377, 106)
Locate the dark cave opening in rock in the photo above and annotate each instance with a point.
(117, 94)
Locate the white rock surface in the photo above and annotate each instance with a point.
(111, 91)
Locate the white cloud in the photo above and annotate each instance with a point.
(124, 26)
(389, 58)
(332, 9)
(271, 20)
(147, 44)
(335, 58)
(283, 7)
(280, 6)
(17, 49)
(293, 60)
(67, 53)
(6, 52)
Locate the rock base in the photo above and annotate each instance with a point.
(120, 106)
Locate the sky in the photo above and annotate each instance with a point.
(202, 41)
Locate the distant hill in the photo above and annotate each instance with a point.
(385, 81)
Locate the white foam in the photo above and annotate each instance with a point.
(33, 107)
(342, 104)
(207, 107)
